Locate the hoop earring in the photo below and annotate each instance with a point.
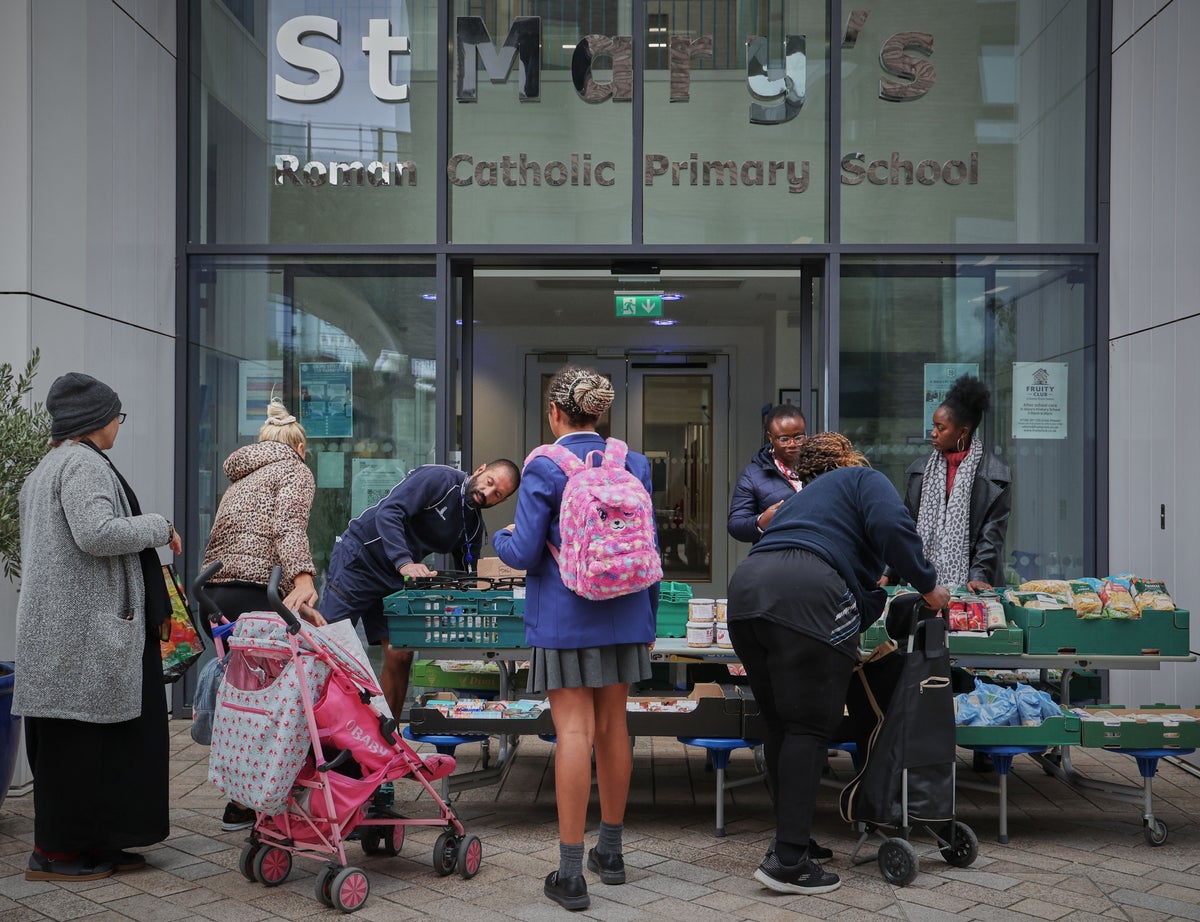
(959, 443)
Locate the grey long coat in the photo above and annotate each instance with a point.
(81, 622)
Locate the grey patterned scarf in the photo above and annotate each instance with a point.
(944, 524)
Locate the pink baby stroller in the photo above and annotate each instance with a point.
(296, 737)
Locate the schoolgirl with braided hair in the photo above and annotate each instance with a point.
(796, 606)
(586, 653)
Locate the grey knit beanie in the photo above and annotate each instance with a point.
(80, 404)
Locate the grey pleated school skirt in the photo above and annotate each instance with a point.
(588, 667)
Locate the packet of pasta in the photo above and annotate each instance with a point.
(1151, 594)
(1056, 587)
(1087, 599)
(1118, 600)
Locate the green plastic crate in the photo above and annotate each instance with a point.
(1001, 642)
(478, 677)
(1053, 731)
(1122, 732)
(444, 618)
(671, 617)
(1156, 633)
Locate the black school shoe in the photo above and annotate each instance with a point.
(611, 868)
(122, 861)
(67, 869)
(569, 892)
(805, 877)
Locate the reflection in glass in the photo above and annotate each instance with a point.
(677, 438)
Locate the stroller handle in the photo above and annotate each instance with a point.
(292, 622)
(206, 602)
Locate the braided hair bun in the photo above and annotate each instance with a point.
(582, 393)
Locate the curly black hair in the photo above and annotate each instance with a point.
(967, 401)
(824, 452)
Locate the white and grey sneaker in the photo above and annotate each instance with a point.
(805, 877)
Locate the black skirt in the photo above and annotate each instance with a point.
(100, 787)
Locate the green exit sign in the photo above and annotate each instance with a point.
(638, 303)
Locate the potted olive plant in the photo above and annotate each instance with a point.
(24, 437)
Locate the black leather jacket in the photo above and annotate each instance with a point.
(991, 504)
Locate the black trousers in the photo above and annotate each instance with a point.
(234, 598)
(799, 683)
(102, 787)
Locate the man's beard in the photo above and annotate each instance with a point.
(469, 494)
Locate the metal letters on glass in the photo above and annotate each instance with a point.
(619, 48)
(290, 47)
(919, 70)
(523, 42)
(791, 86)
(683, 49)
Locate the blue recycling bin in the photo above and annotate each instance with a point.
(10, 730)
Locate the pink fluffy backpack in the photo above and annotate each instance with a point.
(607, 524)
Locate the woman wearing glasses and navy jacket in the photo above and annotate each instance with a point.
(770, 477)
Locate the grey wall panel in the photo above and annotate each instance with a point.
(14, 146)
(103, 166)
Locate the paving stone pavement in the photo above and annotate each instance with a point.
(1071, 856)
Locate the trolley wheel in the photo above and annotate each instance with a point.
(445, 853)
(325, 884)
(272, 866)
(470, 856)
(898, 861)
(382, 839)
(246, 861)
(349, 890)
(963, 848)
(1156, 832)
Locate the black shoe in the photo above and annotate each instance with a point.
(121, 860)
(66, 869)
(611, 868)
(236, 817)
(805, 877)
(815, 851)
(569, 892)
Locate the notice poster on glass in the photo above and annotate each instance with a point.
(372, 479)
(257, 381)
(326, 399)
(1039, 398)
(939, 378)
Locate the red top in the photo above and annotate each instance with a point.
(953, 460)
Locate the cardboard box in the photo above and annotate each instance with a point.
(495, 568)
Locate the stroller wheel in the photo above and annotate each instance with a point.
(383, 839)
(470, 856)
(898, 861)
(325, 884)
(350, 889)
(445, 853)
(1156, 832)
(963, 848)
(272, 866)
(246, 861)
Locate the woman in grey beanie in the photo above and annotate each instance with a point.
(89, 670)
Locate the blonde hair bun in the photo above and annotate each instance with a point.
(277, 413)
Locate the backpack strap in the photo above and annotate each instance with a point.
(567, 461)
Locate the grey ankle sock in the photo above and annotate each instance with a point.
(609, 842)
(570, 860)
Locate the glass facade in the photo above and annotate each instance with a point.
(350, 346)
(406, 212)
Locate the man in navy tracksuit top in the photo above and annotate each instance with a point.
(435, 509)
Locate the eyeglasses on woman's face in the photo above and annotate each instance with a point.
(788, 439)
(121, 418)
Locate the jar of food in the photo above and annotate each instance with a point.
(723, 636)
(700, 609)
(699, 633)
(721, 606)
